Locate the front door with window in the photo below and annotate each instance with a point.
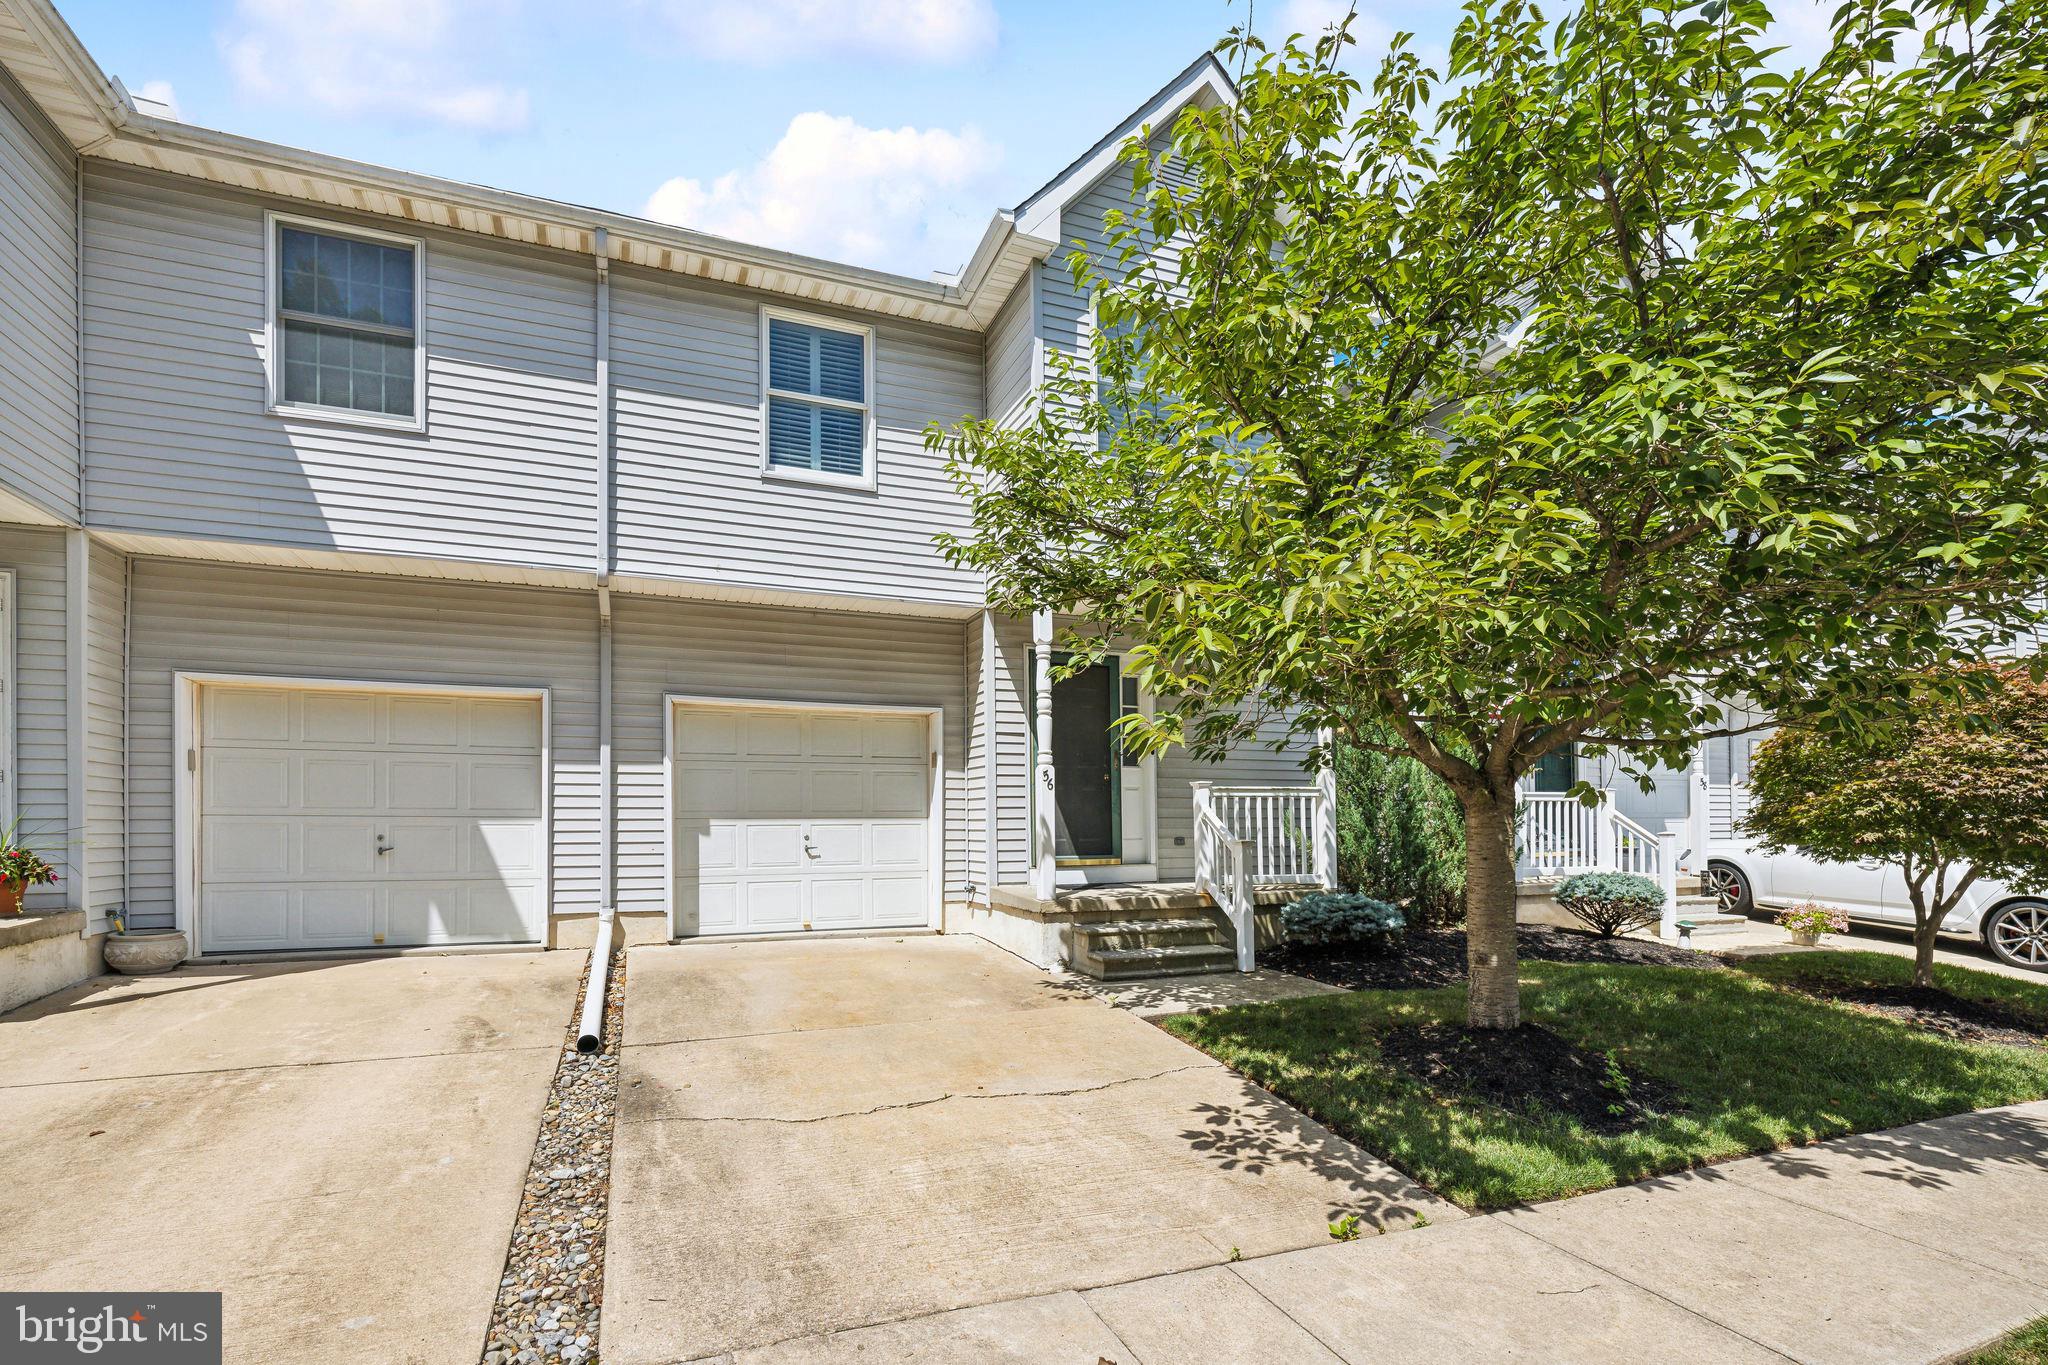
(1088, 824)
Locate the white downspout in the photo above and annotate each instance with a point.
(1044, 867)
(590, 1027)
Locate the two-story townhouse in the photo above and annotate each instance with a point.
(387, 561)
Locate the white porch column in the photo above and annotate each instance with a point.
(1044, 870)
(1606, 856)
(1326, 812)
(1667, 878)
(1205, 857)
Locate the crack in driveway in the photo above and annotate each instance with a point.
(923, 1103)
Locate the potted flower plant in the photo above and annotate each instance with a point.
(1808, 920)
(20, 868)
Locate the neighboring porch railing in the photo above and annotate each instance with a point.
(1558, 835)
(1248, 836)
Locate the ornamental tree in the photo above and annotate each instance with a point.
(1634, 374)
(1956, 794)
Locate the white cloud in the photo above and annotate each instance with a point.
(774, 32)
(904, 199)
(396, 59)
(159, 92)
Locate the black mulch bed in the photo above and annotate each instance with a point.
(1436, 957)
(1530, 1071)
(1969, 1021)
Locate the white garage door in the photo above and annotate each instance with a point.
(341, 819)
(789, 820)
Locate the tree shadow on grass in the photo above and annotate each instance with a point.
(1752, 1069)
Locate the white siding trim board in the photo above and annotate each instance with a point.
(187, 741)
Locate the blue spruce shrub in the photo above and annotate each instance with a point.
(1611, 903)
(1339, 918)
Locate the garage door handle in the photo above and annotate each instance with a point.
(384, 848)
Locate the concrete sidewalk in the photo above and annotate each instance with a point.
(1906, 1246)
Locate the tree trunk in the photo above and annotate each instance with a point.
(1493, 995)
(1926, 929)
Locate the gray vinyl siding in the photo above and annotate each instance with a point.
(38, 309)
(1013, 751)
(1012, 352)
(199, 617)
(105, 726)
(979, 750)
(692, 502)
(663, 647)
(36, 558)
(178, 442)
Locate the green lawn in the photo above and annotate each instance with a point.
(1757, 1067)
(1839, 968)
(2028, 1346)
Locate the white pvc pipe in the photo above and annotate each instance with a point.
(590, 1029)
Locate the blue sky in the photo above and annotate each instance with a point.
(879, 132)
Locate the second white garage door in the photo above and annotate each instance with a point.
(787, 820)
(336, 818)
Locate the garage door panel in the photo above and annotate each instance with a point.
(427, 848)
(774, 847)
(708, 789)
(774, 904)
(245, 781)
(337, 718)
(299, 786)
(900, 844)
(251, 715)
(336, 848)
(252, 918)
(771, 734)
(896, 737)
(501, 787)
(899, 792)
(839, 901)
(331, 916)
(249, 846)
(900, 901)
(432, 782)
(787, 820)
(838, 791)
(337, 782)
(509, 847)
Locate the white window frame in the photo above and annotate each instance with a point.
(783, 473)
(273, 357)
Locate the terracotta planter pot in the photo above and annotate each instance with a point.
(10, 896)
(145, 952)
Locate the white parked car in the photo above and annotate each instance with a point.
(2012, 921)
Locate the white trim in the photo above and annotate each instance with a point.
(273, 363)
(77, 697)
(10, 780)
(186, 744)
(935, 776)
(824, 322)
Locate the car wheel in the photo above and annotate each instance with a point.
(1725, 882)
(2017, 934)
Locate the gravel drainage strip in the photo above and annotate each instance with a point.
(552, 1291)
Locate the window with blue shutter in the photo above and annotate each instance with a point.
(817, 399)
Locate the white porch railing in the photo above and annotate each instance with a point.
(1248, 836)
(1558, 835)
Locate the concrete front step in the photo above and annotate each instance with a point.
(1149, 933)
(1186, 959)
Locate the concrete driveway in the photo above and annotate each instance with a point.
(339, 1146)
(814, 1136)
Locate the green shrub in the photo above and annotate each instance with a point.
(1611, 903)
(1337, 918)
(1400, 836)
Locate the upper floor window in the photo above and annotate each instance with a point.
(345, 323)
(816, 384)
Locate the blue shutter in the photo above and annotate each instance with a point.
(829, 364)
